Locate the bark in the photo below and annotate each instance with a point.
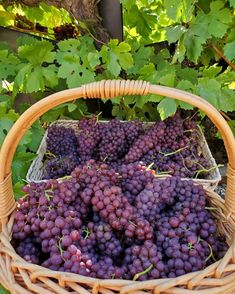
(85, 11)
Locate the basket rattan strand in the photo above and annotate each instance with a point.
(21, 277)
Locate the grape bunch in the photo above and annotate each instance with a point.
(167, 147)
(88, 138)
(60, 166)
(177, 152)
(61, 141)
(113, 141)
(146, 142)
(134, 179)
(66, 31)
(88, 224)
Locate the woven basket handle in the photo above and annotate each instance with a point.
(105, 89)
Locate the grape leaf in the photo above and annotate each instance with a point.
(226, 100)
(9, 64)
(37, 133)
(34, 81)
(232, 3)
(167, 107)
(5, 126)
(211, 71)
(20, 165)
(25, 40)
(167, 79)
(186, 86)
(3, 290)
(116, 56)
(54, 113)
(217, 19)
(141, 56)
(180, 50)
(18, 193)
(174, 33)
(229, 50)
(50, 76)
(93, 59)
(142, 99)
(194, 44)
(179, 9)
(75, 74)
(210, 90)
(187, 73)
(38, 52)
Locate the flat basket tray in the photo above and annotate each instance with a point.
(35, 172)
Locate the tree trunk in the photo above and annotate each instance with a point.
(85, 11)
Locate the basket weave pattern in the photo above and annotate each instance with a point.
(21, 277)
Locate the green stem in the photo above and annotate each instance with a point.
(86, 230)
(149, 166)
(64, 178)
(211, 253)
(207, 170)
(138, 275)
(59, 246)
(97, 117)
(184, 163)
(173, 152)
(50, 154)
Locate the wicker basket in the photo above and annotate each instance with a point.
(21, 277)
(36, 170)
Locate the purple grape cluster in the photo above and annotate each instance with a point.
(89, 135)
(144, 262)
(134, 179)
(60, 166)
(171, 147)
(87, 225)
(113, 141)
(103, 142)
(28, 250)
(146, 142)
(61, 141)
(61, 156)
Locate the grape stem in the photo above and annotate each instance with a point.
(211, 251)
(207, 170)
(48, 153)
(147, 270)
(132, 223)
(64, 178)
(173, 152)
(87, 232)
(59, 246)
(97, 117)
(184, 163)
(149, 166)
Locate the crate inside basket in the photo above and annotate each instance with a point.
(36, 170)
